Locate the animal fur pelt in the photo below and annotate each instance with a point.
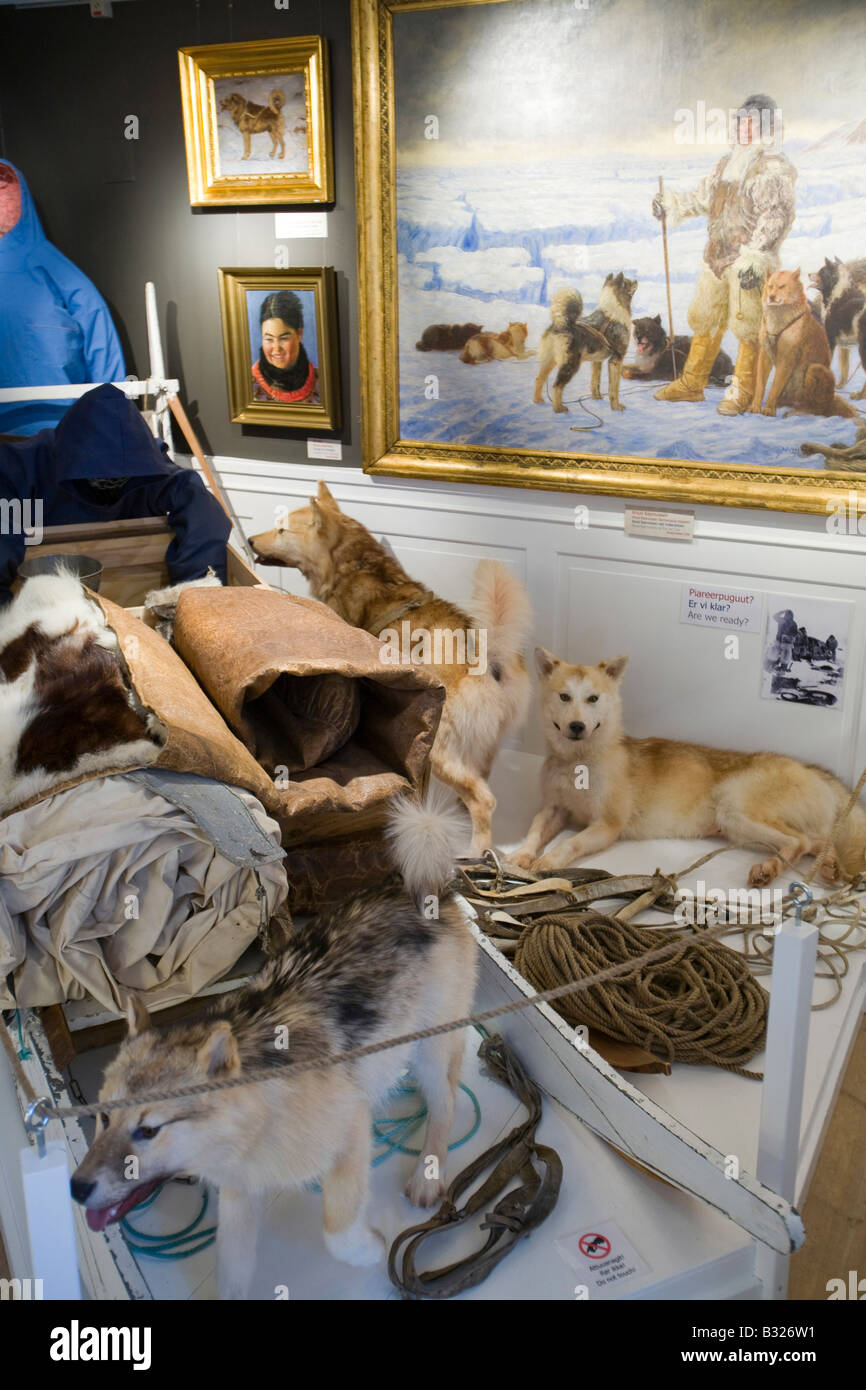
(66, 705)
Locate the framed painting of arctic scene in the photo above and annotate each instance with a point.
(615, 246)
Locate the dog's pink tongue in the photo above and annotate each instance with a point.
(100, 1217)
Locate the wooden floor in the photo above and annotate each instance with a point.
(835, 1212)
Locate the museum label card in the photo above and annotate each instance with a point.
(665, 525)
(300, 224)
(324, 449)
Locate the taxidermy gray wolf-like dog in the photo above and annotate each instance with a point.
(354, 575)
(380, 965)
(655, 788)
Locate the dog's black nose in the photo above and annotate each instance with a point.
(80, 1190)
(575, 728)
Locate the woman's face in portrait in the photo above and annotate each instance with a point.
(280, 343)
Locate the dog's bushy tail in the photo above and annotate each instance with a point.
(566, 308)
(500, 604)
(426, 837)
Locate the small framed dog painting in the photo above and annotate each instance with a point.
(589, 268)
(280, 345)
(257, 122)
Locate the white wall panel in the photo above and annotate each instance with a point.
(597, 591)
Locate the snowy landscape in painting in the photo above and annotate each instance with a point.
(492, 243)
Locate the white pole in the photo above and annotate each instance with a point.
(154, 341)
(48, 1204)
(794, 953)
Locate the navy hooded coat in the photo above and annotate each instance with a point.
(54, 323)
(104, 436)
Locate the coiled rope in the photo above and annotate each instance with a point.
(699, 1004)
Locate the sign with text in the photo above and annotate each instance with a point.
(666, 525)
(601, 1256)
(736, 610)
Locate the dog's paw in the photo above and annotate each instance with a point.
(769, 410)
(831, 869)
(561, 409)
(423, 1191)
(520, 860)
(357, 1245)
(760, 875)
(617, 405)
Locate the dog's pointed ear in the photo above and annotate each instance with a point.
(326, 498)
(219, 1052)
(658, 318)
(614, 668)
(545, 661)
(796, 273)
(137, 1016)
(320, 517)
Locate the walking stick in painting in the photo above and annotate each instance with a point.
(667, 274)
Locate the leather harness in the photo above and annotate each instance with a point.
(514, 1216)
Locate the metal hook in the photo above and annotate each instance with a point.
(35, 1121)
(802, 895)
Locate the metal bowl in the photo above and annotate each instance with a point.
(84, 567)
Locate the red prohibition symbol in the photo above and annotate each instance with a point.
(594, 1246)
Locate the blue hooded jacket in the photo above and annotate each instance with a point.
(54, 324)
(103, 436)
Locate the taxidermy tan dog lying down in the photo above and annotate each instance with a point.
(618, 788)
(487, 693)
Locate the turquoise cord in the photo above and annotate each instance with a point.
(24, 1053)
(393, 1132)
(164, 1247)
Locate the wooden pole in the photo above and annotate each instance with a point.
(182, 418)
(668, 276)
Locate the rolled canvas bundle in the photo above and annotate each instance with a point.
(322, 735)
(339, 730)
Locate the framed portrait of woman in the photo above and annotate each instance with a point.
(280, 346)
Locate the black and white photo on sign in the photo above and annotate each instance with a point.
(805, 651)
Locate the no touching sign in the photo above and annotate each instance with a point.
(602, 1257)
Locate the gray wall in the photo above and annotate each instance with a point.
(120, 209)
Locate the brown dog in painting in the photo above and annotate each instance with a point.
(252, 119)
(478, 659)
(795, 344)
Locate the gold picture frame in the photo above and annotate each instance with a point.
(388, 452)
(257, 122)
(255, 323)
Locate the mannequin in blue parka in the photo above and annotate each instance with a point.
(54, 324)
(103, 464)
